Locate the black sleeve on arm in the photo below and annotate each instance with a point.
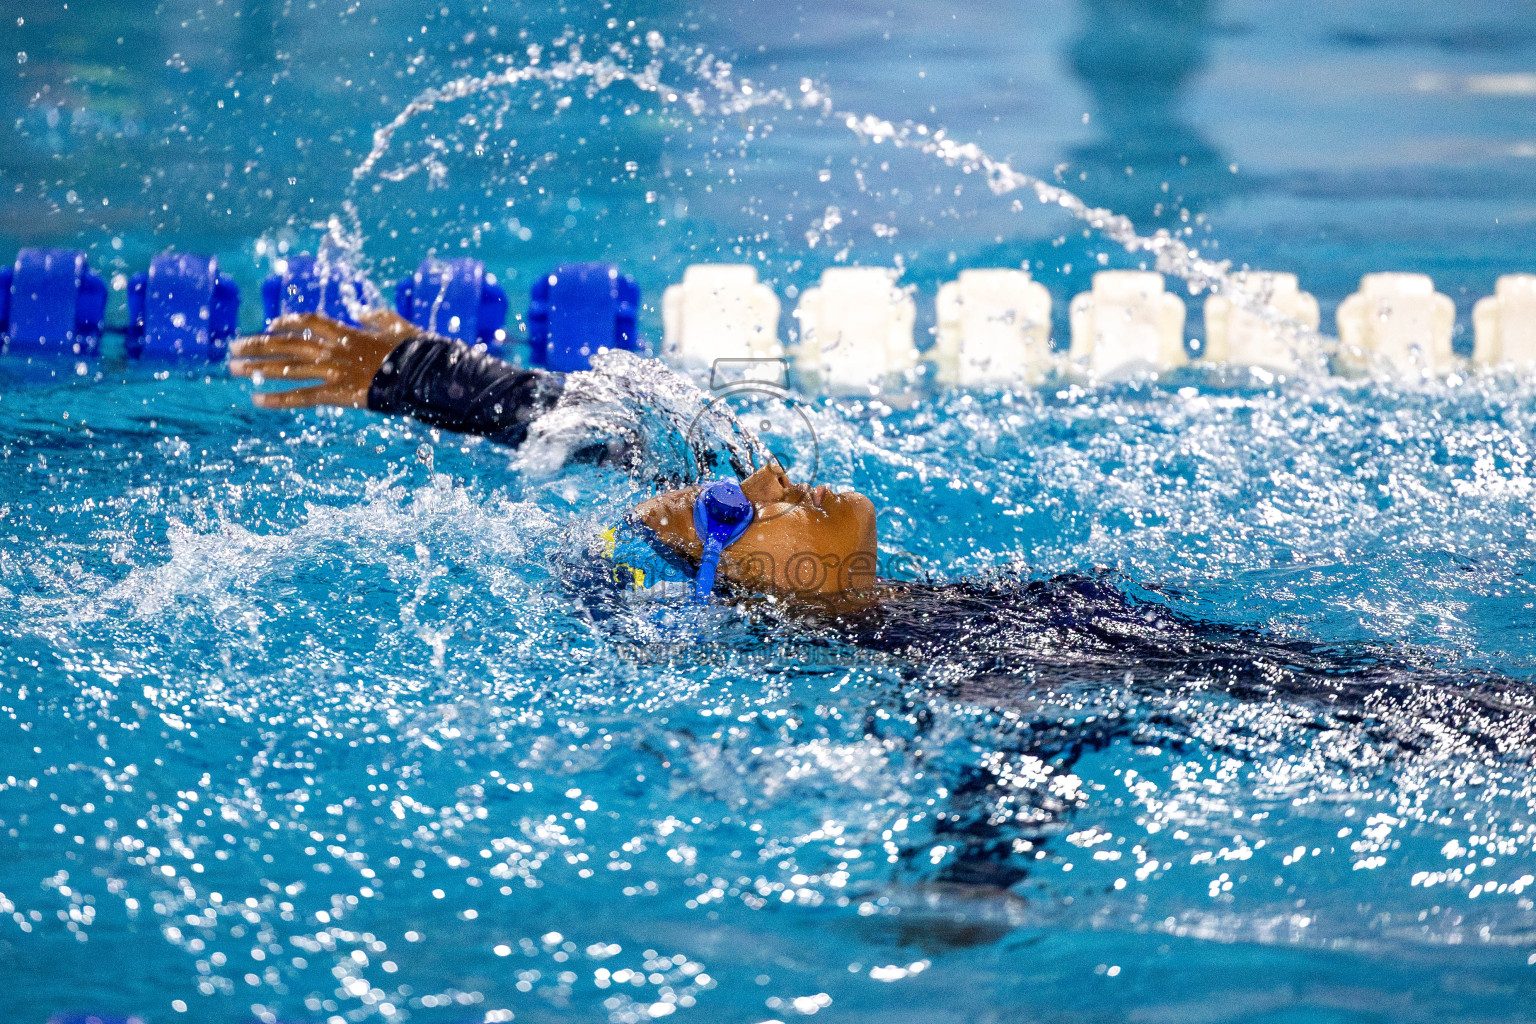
(447, 384)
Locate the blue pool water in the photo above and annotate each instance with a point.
(301, 724)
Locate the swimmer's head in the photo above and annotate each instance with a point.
(804, 541)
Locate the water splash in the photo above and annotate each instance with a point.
(343, 242)
(722, 93)
(1251, 291)
(1171, 254)
(665, 428)
(731, 96)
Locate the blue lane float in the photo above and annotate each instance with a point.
(457, 299)
(52, 303)
(577, 309)
(299, 289)
(181, 308)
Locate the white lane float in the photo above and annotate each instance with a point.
(1262, 320)
(1127, 323)
(1398, 323)
(994, 330)
(1505, 324)
(856, 330)
(720, 311)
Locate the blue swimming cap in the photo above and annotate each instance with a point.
(721, 514)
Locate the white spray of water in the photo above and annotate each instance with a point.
(666, 427)
(341, 247)
(722, 93)
(1172, 255)
(732, 97)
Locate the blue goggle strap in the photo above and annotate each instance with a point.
(721, 514)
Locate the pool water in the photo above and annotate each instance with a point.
(302, 723)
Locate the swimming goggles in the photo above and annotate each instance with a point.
(721, 514)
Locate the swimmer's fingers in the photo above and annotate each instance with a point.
(303, 398)
(324, 328)
(387, 320)
(301, 365)
(284, 346)
(316, 325)
(311, 347)
(283, 369)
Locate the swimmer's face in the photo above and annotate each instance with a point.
(812, 539)
(774, 494)
(803, 541)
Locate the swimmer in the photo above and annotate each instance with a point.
(1033, 649)
(807, 543)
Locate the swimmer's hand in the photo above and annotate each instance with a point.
(312, 347)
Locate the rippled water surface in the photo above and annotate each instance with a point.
(1225, 715)
(297, 720)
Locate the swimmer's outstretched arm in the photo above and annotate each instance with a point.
(388, 365)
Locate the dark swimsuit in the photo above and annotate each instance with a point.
(449, 385)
